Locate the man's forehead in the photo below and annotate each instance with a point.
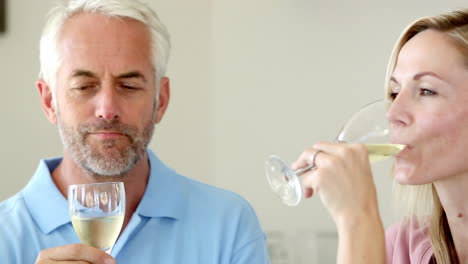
(132, 74)
(93, 45)
(97, 20)
(96, 31)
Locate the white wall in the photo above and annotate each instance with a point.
(249, 79)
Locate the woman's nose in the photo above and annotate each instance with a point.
(398, 114)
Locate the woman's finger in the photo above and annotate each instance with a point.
(306, 159)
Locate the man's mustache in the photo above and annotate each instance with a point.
(115, 126)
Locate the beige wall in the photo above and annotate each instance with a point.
(287, 74)
(249, 79)
(185, 137)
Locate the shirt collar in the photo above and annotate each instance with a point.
(163, 197)
(165, 193)
(45, 202)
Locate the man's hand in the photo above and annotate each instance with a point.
(75, 253)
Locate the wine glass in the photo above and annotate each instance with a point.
(368, 126)
(97, 212)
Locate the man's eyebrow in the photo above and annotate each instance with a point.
(126, 75)
(83, 73)
(132, 74)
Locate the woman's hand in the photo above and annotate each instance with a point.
(342, 178)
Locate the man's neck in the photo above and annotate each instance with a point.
(135, 181)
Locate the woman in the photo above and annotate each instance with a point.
(427, 82)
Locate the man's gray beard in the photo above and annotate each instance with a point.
(89, 158)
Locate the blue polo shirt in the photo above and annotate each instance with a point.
(178, 220)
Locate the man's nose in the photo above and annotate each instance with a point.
(107, 104)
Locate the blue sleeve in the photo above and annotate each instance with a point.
(251, 247)
(254, 252)
(7, 255)
(11, 234)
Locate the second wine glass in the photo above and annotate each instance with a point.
(97, 211)
(367, 126)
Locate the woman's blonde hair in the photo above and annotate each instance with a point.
(422, 200)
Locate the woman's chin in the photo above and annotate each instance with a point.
(402, 177)
(402, 173)
(407, 176)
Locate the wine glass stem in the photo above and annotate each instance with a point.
(299, 172)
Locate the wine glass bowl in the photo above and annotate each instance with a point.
(367, 126)
(97, 212)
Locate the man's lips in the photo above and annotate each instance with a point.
(107, 134)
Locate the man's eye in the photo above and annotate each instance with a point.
(83, 87)
(130, 87)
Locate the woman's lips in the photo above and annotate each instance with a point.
(404, 152)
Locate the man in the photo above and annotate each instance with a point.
(102, 82)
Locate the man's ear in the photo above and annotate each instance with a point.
(163, 99)
(46, 96)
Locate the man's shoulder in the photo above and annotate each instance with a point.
(210, 194)
(228, 212)
(13, 206)
(15, 215)
(193, 191)
(20, 237)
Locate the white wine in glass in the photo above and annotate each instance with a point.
(367, 126)
(97, 212)
(378, 152)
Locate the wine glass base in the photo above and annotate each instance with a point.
(283, 181)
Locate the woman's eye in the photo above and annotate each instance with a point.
(392, 96)
(426, 92)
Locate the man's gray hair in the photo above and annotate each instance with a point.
(50, 59)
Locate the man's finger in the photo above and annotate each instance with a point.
(76, 252)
